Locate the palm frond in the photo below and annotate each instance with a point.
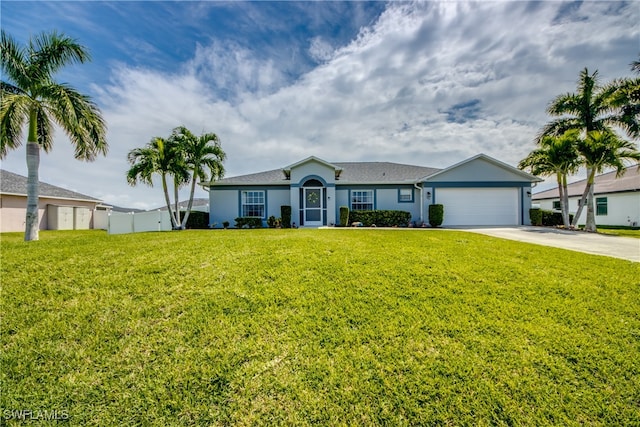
(14, 110)
(52, 51)
(79, 117)
(44, 128)
(13, 60)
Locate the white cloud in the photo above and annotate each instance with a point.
(320, 50)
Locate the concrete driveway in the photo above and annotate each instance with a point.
(600, 244)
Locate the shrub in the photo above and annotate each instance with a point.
(273, 222)
(436, 215)
(380, 218)
(552, 219)
(535, 215)
(197, 220)
(225, 224)
(285, 214)
(249, 222)
(344, 216)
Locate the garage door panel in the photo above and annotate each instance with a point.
(479, 206)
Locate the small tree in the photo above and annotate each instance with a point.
(202, 156)
(436, 215)
(556, 156)
(285, 214)
(161, 157)
(30, 96)
(602, 150)
(344, 216)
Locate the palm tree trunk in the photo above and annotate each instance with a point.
(32, 227)
(590, 225)
(177, 200)
(166, 199)
(31, 231)
(582, 201)
(563, 211)
(193, 190)
(565, 202)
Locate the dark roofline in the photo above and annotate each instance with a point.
(16, 185)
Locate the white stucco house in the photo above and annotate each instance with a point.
(617, 200)
(58, 208)
(478, 191)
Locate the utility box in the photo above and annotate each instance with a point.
(59, 217)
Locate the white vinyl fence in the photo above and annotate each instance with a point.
(122, 223)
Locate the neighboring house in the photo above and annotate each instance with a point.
(58, 208)
(199, 204)
(617, 200)
(478, 191)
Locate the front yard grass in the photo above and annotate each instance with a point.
(325, 327)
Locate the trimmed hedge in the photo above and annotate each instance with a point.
(273, 222)
(197, 220)
(552, 219)
(249, 222)
(344, 216)
(436, 215)
(285, 214)
(380, 218)
(535, 215)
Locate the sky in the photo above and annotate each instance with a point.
(424, 83)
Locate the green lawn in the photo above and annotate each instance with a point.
(626, 232)
(324, 327)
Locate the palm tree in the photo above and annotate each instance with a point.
(30, 95)
(592, 108)
(600, 150)
(159, 156)
(203, 157)
(556, 156)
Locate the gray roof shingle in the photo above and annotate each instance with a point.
(352, 173)
(12, 183)
(603, 184)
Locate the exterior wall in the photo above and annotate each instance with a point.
(475, 169)
(321, 172)
(622, 209)
(526, 203)
(225, 203)
(223, 206)
(13, 211)
(385, 197)
(275, 199)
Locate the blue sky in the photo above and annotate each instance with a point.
(427, 83)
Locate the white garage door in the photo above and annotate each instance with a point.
(479, 206)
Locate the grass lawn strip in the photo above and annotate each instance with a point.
(332, 327)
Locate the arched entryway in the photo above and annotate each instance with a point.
(313, 203)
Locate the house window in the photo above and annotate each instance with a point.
(253, 203)
(556, 205)
(405, 195)
(601, 205)
(362, 200)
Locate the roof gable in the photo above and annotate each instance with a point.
(12, 183)
(311, 159)
(481, 165)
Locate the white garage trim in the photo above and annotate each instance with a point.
(479, 206)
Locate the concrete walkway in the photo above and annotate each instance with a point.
(593, 243)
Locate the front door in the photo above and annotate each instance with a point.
(313, 207)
